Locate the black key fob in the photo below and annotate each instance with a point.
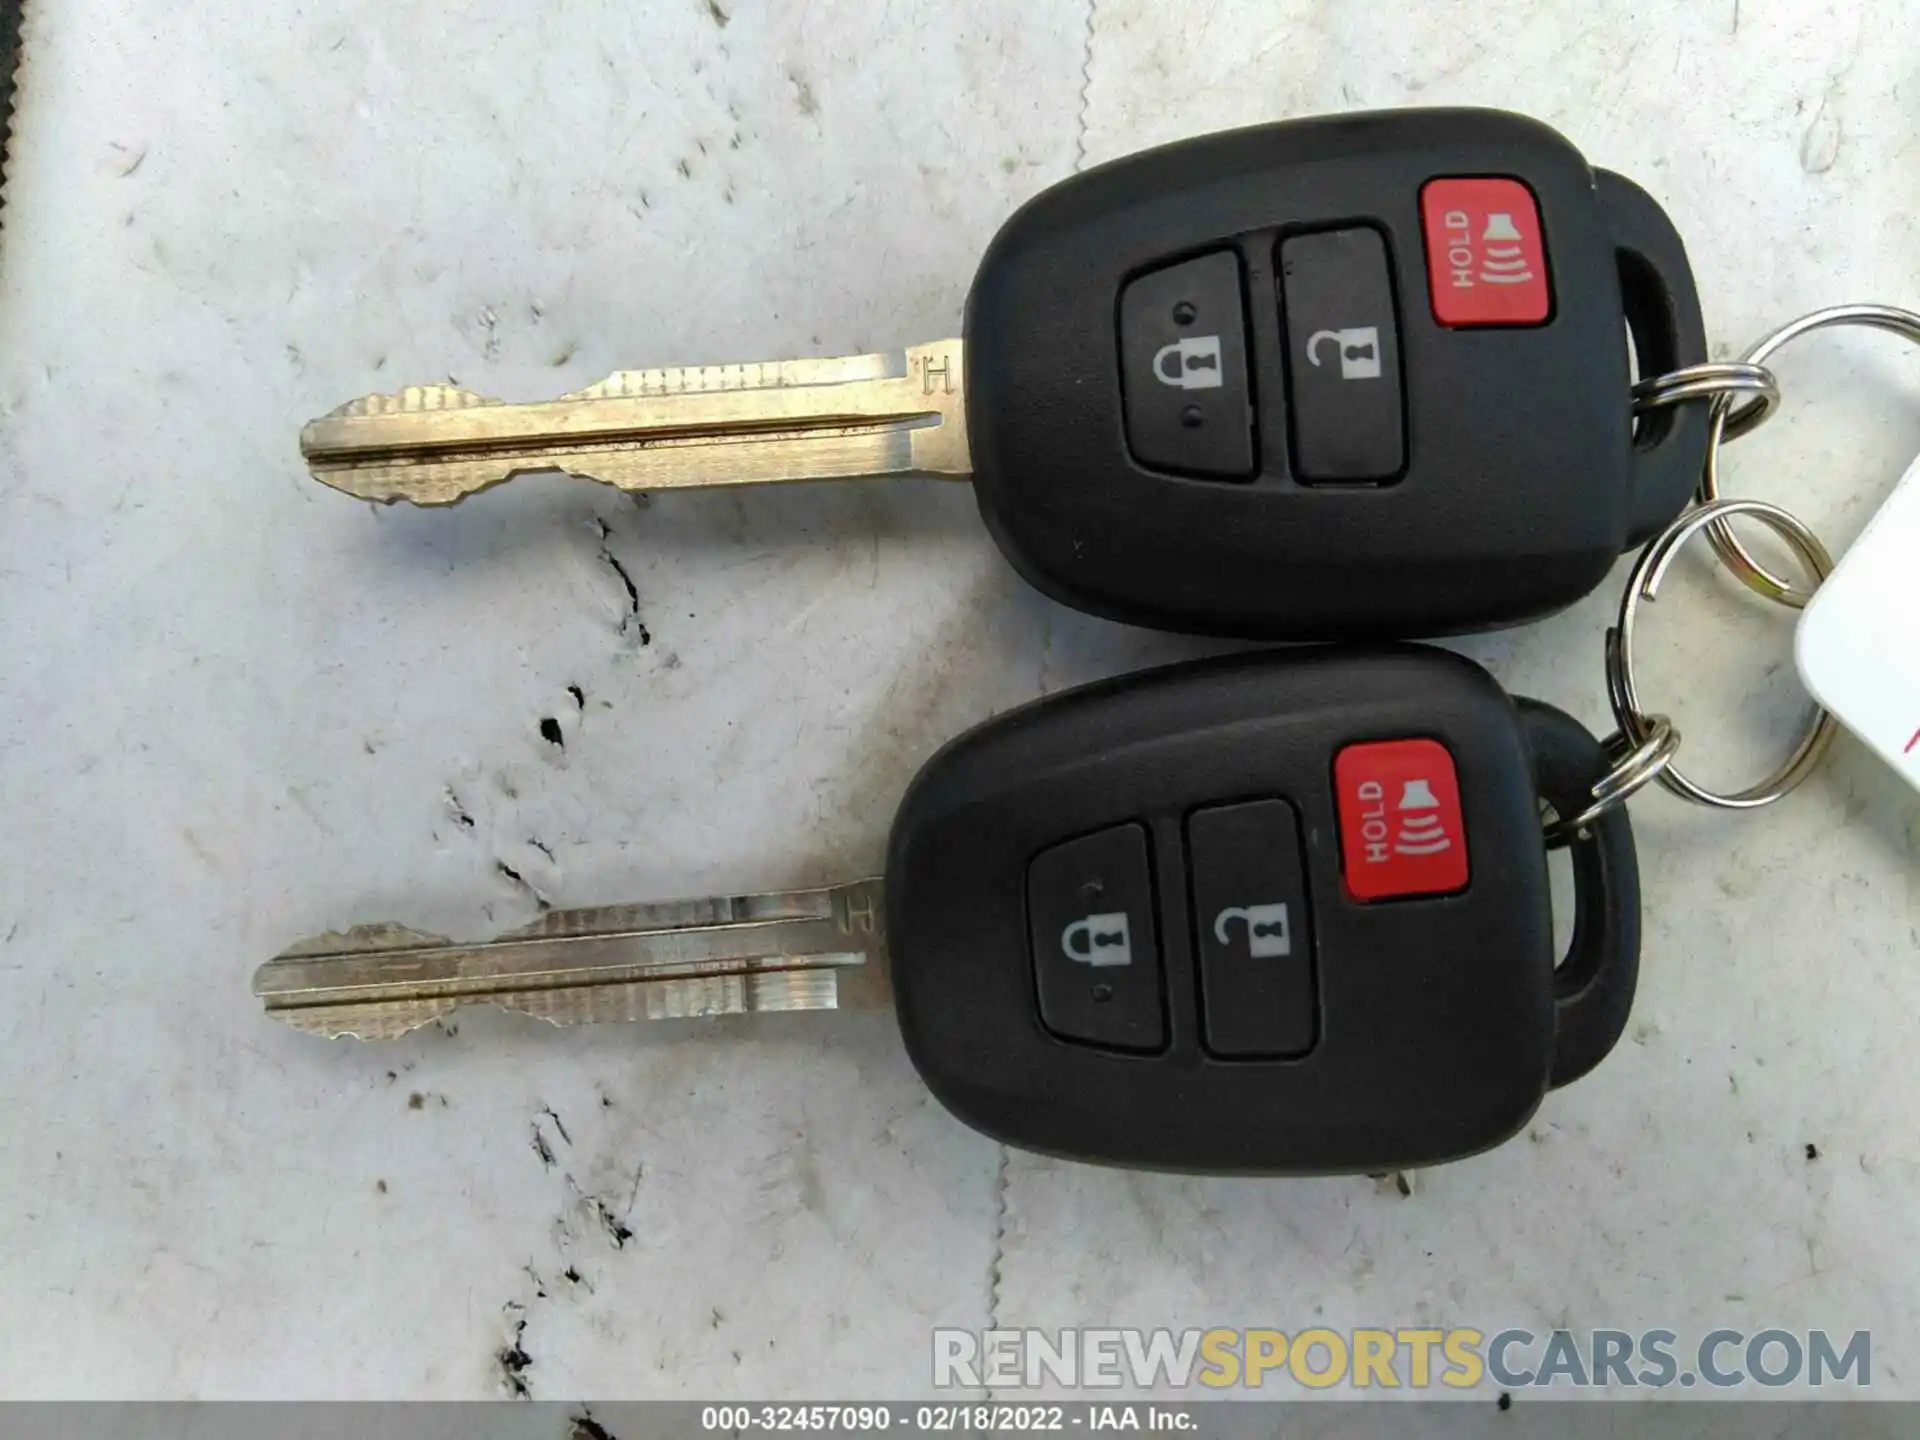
(1335, 378)
(1284, 913)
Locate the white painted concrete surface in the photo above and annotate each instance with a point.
(236, 708)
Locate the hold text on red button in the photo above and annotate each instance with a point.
(1400, 826)
(1486, 262)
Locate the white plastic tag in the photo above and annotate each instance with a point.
(1858, 642)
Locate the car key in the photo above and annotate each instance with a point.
(1277, 913)
(1328, 378)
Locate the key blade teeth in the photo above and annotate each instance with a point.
(428, 487)
(411, 400)
(812, 949)
(358, 1020)
(893, 413)
(683, 999)
(318, 436)
(372, 938)
(754, 375)
(382, 1021)
(432, 485)
(695, 997)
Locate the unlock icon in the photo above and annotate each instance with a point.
(1358, 349)
(1269, 936)
(1099, 940)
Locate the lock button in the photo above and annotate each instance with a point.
(1183, 360)
(1096, 953)
(1343, 358)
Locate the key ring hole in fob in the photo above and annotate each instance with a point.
(1661, 306)
(1649, 337)
(1594, 982)
(1561, 894)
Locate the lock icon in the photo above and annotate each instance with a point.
(1196, 363)
(1107, 941)
(1358, 348)
(1269, 935)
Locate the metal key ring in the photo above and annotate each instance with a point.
(1635, 766)
(1730, 420)
(1712, 381)
(1643, 586)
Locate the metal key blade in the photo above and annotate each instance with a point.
(898, 413)
(789, 950)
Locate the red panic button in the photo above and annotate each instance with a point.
(1400, 826)
(1486, 262)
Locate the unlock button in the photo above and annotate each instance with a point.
(1096, 957)
(1343, 357)
(1254, 936)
